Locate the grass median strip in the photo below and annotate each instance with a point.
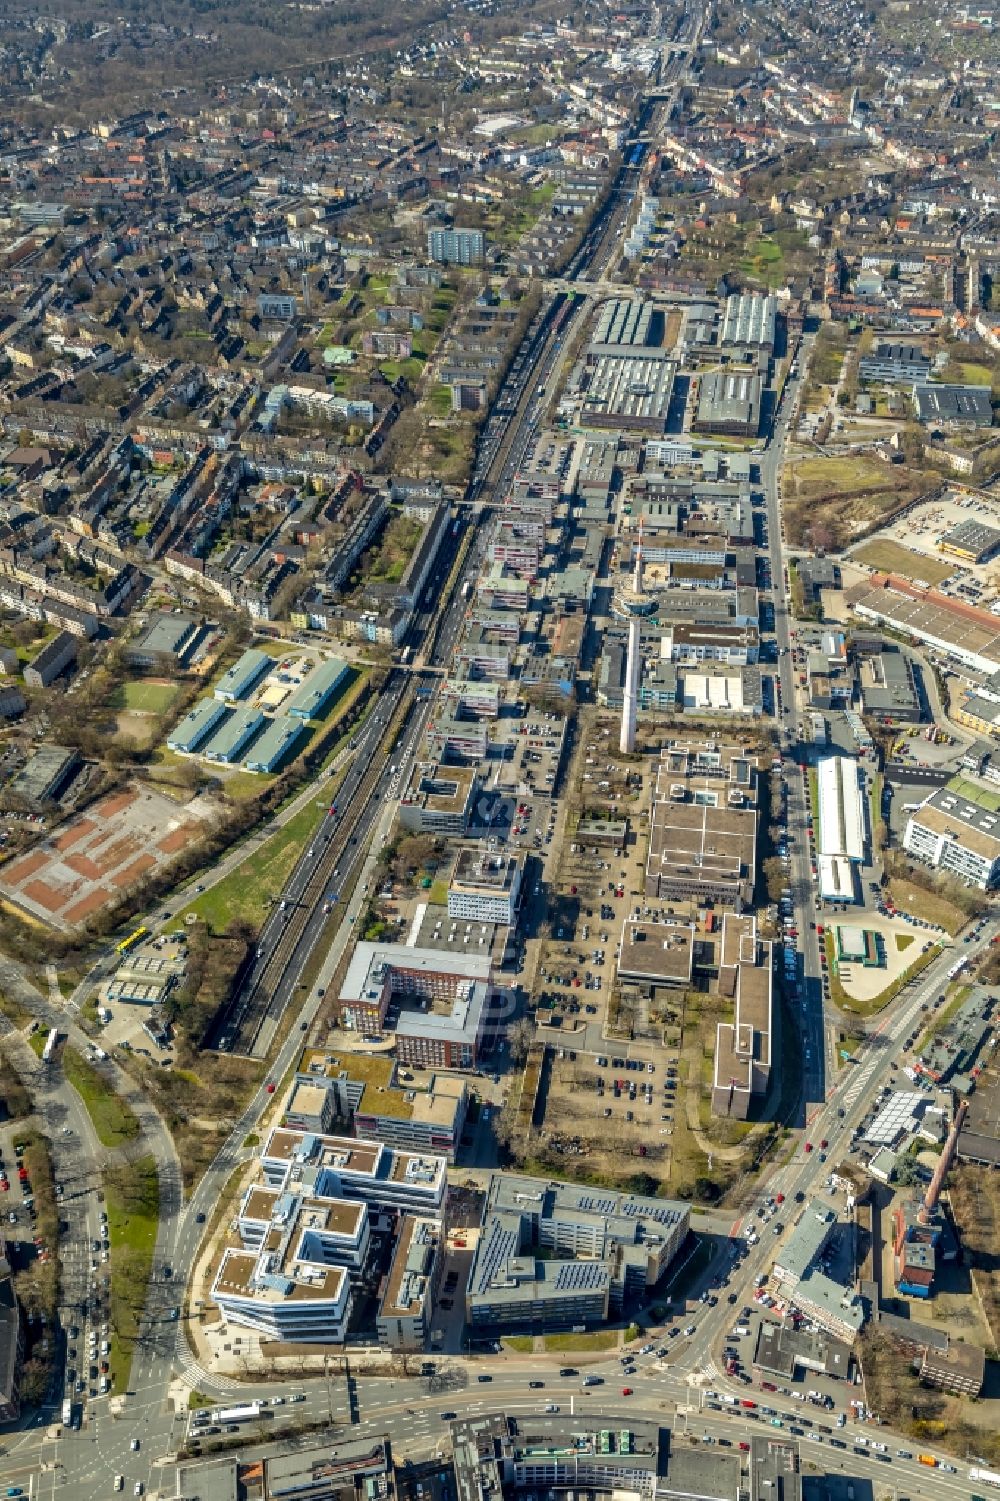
(113, 1120)
(132, 1194)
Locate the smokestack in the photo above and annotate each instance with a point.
(630, 701)
(934, 1187)
(637, 579)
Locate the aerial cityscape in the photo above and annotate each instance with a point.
(500, 751)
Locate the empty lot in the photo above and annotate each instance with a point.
(98, 856)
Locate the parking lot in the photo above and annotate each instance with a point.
(605, 1107)
(919, 530)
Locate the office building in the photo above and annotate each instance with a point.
(444, 1001)
(602, 1248)
(380, 1103)
(742, 1071)
(456, 247)
(656, 955)
(407, 1303)
(799, 1271)
(957, 830)
(341, 1167)
(486, 887)
(559, 1455)
(354, 1470)
(703, 829)
(438, 798)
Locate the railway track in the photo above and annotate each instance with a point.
(262, 991)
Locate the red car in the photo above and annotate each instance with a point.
(745, 1447)
(626, 1391)
(769, 1386)
(270, 1089)
(4, 1186)
(779, 1198)
(824, 1143)
(809, 1146)
(572, 891)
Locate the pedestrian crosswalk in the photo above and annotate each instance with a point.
(194, 1372)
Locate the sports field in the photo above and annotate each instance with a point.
(146, 695)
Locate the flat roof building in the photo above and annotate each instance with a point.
(165, 643)
(957, 830)
(603, 1248)
(743, 1047)
(972, 541)
(888, 687)
(799, 1273)
(968, 635)
(445, 1026)
(729, 402)
(841, 816)
(438, 799)
(407, 1302)
(310, 700)
(196, 726)
(703, 830)
(486, 887)
(243, 676)
(968, 406)
(655, 954)
(344, 1168)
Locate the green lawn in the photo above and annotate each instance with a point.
(892, 557)
(763, 262)
(132, 1200)
(148, 695)
(522, 1343)
(591, 1339)
(919, 902)
(439, 400)
(975, 375)
(243, 785)
(248, 890)
(112, 1118)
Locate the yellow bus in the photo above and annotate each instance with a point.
(132, 939)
